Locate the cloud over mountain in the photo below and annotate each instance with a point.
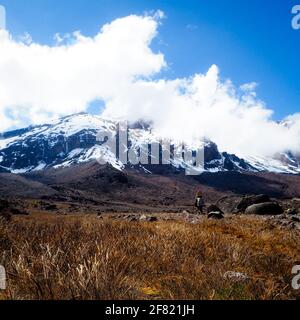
(118, 66)
(39, 81)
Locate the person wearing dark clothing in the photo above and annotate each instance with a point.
(199, 202)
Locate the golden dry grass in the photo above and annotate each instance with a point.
(55, 257)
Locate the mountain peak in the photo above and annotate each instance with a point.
(73, 139)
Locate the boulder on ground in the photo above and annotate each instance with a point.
(214, 208)
(215, 215)
(251, 200)
(292, 211)
(147, 218)
(296, 219)
(267, 208)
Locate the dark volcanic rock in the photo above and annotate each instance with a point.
(223, 161)
(267, 208)
(296, 219)
(251, 200)
(214, 208)
(215, 215)
(212, 153)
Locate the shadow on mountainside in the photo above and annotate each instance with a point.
(277, 186)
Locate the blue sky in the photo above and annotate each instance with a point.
(248, 40)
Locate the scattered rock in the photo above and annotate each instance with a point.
(282, 217)
(286, 221)
(214, 208)
(292, 211)
(288, 225)
(267, 208)
(236, 276)
(143, 217)
(296, 219)
(215, 215)
(130, 218)
(147, 219)
(251, 200)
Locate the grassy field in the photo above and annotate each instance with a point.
(68, 257)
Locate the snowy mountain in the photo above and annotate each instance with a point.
(73, 139)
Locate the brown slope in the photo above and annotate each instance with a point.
(105, 183)
(93, 184)
(12, 185)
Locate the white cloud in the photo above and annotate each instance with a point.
(249, 87)
(38, 82)
(41, 81)
(26, 38)
(205, 106)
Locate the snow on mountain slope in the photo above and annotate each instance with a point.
(63, 142)
(73, 139)
(261, 163)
